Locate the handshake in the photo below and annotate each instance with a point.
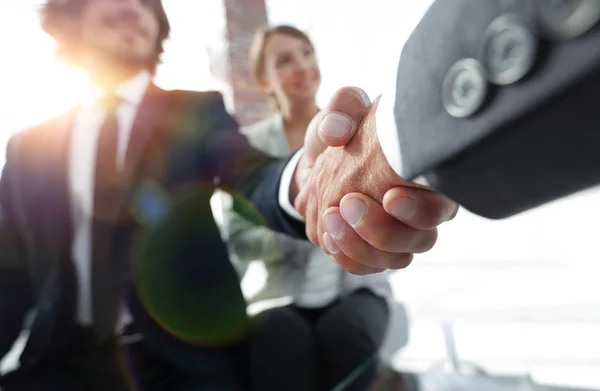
(356, 208)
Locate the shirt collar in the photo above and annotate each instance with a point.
(131, 91)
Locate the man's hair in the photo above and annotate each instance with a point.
(61, 19)
(259, 43)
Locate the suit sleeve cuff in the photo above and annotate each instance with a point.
(284, 186)
(387, 132)
(388, 135)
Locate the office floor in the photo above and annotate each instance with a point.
(389, 380)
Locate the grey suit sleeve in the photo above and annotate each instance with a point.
(497, 102)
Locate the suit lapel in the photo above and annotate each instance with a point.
(148, 118)
(58, 218)
(144, 134)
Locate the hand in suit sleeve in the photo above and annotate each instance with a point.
(342, 193)
(498, 130)
(373, 244)
(15, 288)
(258, 177)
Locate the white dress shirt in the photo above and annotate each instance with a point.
(286, 181)
(82, 166)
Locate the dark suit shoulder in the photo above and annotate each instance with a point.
(199, 107)
(198, 97)
(36, 138)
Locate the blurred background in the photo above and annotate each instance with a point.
(517, 297)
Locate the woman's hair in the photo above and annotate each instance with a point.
(61, 19)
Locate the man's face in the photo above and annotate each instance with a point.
(123, 31)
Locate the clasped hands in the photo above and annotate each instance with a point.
(355, 206)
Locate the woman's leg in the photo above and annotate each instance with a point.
(282, 352)
(348, 336)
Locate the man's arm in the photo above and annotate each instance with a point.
(246, 170)
(15, 289)
(495, 103)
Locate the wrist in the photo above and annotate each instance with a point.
(377, 176)
(297, 179)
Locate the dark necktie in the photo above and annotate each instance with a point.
(108, 192)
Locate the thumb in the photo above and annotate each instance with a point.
(335, 125)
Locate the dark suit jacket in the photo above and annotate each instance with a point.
(181, 287)
(535, 131)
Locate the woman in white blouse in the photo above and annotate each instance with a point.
(333, 325)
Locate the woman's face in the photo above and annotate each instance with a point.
(291, 70)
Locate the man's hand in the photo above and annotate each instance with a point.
(355, 206)
(334, 126)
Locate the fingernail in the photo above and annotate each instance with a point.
(404, 208)
(335, 225)
(331, 245)
(363, 96)
(354, 211)
(335, 125)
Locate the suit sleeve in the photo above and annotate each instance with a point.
(241, 168)
(496, 103)
(15, 287)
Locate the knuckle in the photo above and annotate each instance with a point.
(349, 265)
(431, 217)
(377, 236)
(402, 261)
(377, 242)
(360, 271)
(312, 236)
(408, 258)
(426, 241)
(382, 261)
(311, 232)
(300, 206)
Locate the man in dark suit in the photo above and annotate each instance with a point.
(494, 105)
(109, 254)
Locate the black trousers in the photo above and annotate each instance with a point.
(319, 349)
(132, 367)
(290, 349)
